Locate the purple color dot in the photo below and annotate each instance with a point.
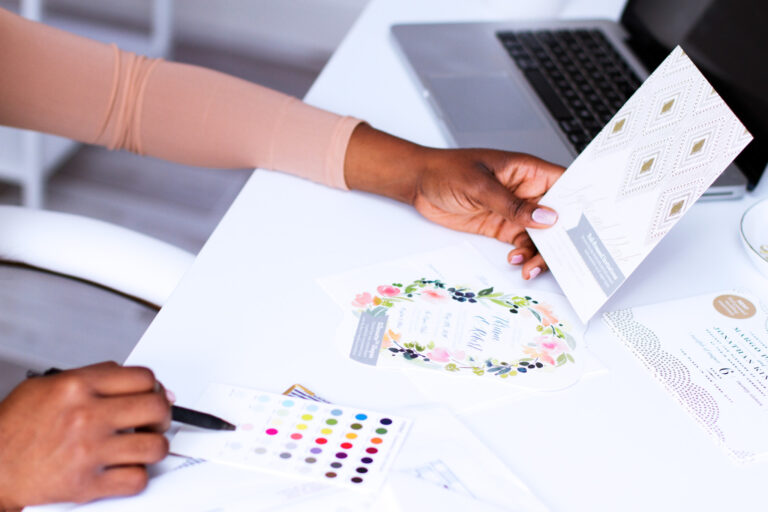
(316, 450)
(341, 455)
(366, 460)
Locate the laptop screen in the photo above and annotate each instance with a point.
(727, 41)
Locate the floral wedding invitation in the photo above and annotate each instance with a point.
(450, 313)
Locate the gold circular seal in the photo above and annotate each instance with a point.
(734, 306)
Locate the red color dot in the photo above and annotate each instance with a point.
(296, 436)
(346, 446)
(271, 431)
(321, 440)
(371, 450)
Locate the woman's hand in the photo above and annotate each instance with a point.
(492, 193)
(69, 437)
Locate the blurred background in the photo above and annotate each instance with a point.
(282, 44)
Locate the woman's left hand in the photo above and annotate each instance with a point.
(489, 192)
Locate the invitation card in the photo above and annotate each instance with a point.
(636, 180)
(450, 313)
(711, 353)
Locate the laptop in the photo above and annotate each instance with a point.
(548, 87)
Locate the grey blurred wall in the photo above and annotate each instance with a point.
(299, 32)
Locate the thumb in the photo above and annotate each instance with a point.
(498, 198)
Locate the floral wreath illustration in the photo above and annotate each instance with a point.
(550, 349)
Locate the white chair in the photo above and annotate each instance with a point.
(110, 256)
(97, 252)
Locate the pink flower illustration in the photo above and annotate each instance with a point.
(435, 295)
(547, 316)
(388, 291)
(439, 355)
(362, 300)
(541, 355)
(389, 337)
(459, 355)
(550, 344)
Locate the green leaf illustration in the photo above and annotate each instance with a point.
(486, 291)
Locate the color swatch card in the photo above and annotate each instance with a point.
(711, 353)
(450, 313)
(635, 180)
(326, 443)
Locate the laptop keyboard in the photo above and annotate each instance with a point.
(578, 74)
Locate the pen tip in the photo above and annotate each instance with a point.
(230, 427)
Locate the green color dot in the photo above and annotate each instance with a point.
(381, 431)
(331, 421)
(356, 426)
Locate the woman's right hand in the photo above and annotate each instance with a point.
(70, 437)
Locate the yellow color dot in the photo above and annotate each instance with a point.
(301, 426)
(326, 431)
(307, 417)
(351, 435)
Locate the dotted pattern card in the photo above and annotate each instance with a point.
(326, 443)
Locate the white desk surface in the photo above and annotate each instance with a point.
(249, 311)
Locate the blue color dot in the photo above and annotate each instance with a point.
(312, 408)
(361, 417)
(336, 412)
(263, 398)
(288, 403)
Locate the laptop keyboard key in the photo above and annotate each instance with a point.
(547, 94)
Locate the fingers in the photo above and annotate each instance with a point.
(113, 379)
(135, 449)
(119, 481)
(500, 200)
(534, 267)
(151, 410)
(525, 254)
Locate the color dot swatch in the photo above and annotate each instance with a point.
(299, 437)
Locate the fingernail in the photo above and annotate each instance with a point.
(543, 216)
(516, 259)
(534, 272)
(170, 395)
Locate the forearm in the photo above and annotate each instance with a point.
(56, 82)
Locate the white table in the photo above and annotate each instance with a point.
(249, 311)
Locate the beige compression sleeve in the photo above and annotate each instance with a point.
(56, 82)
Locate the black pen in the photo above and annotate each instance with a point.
(180, 414)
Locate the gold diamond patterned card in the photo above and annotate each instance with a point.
(635, 180)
